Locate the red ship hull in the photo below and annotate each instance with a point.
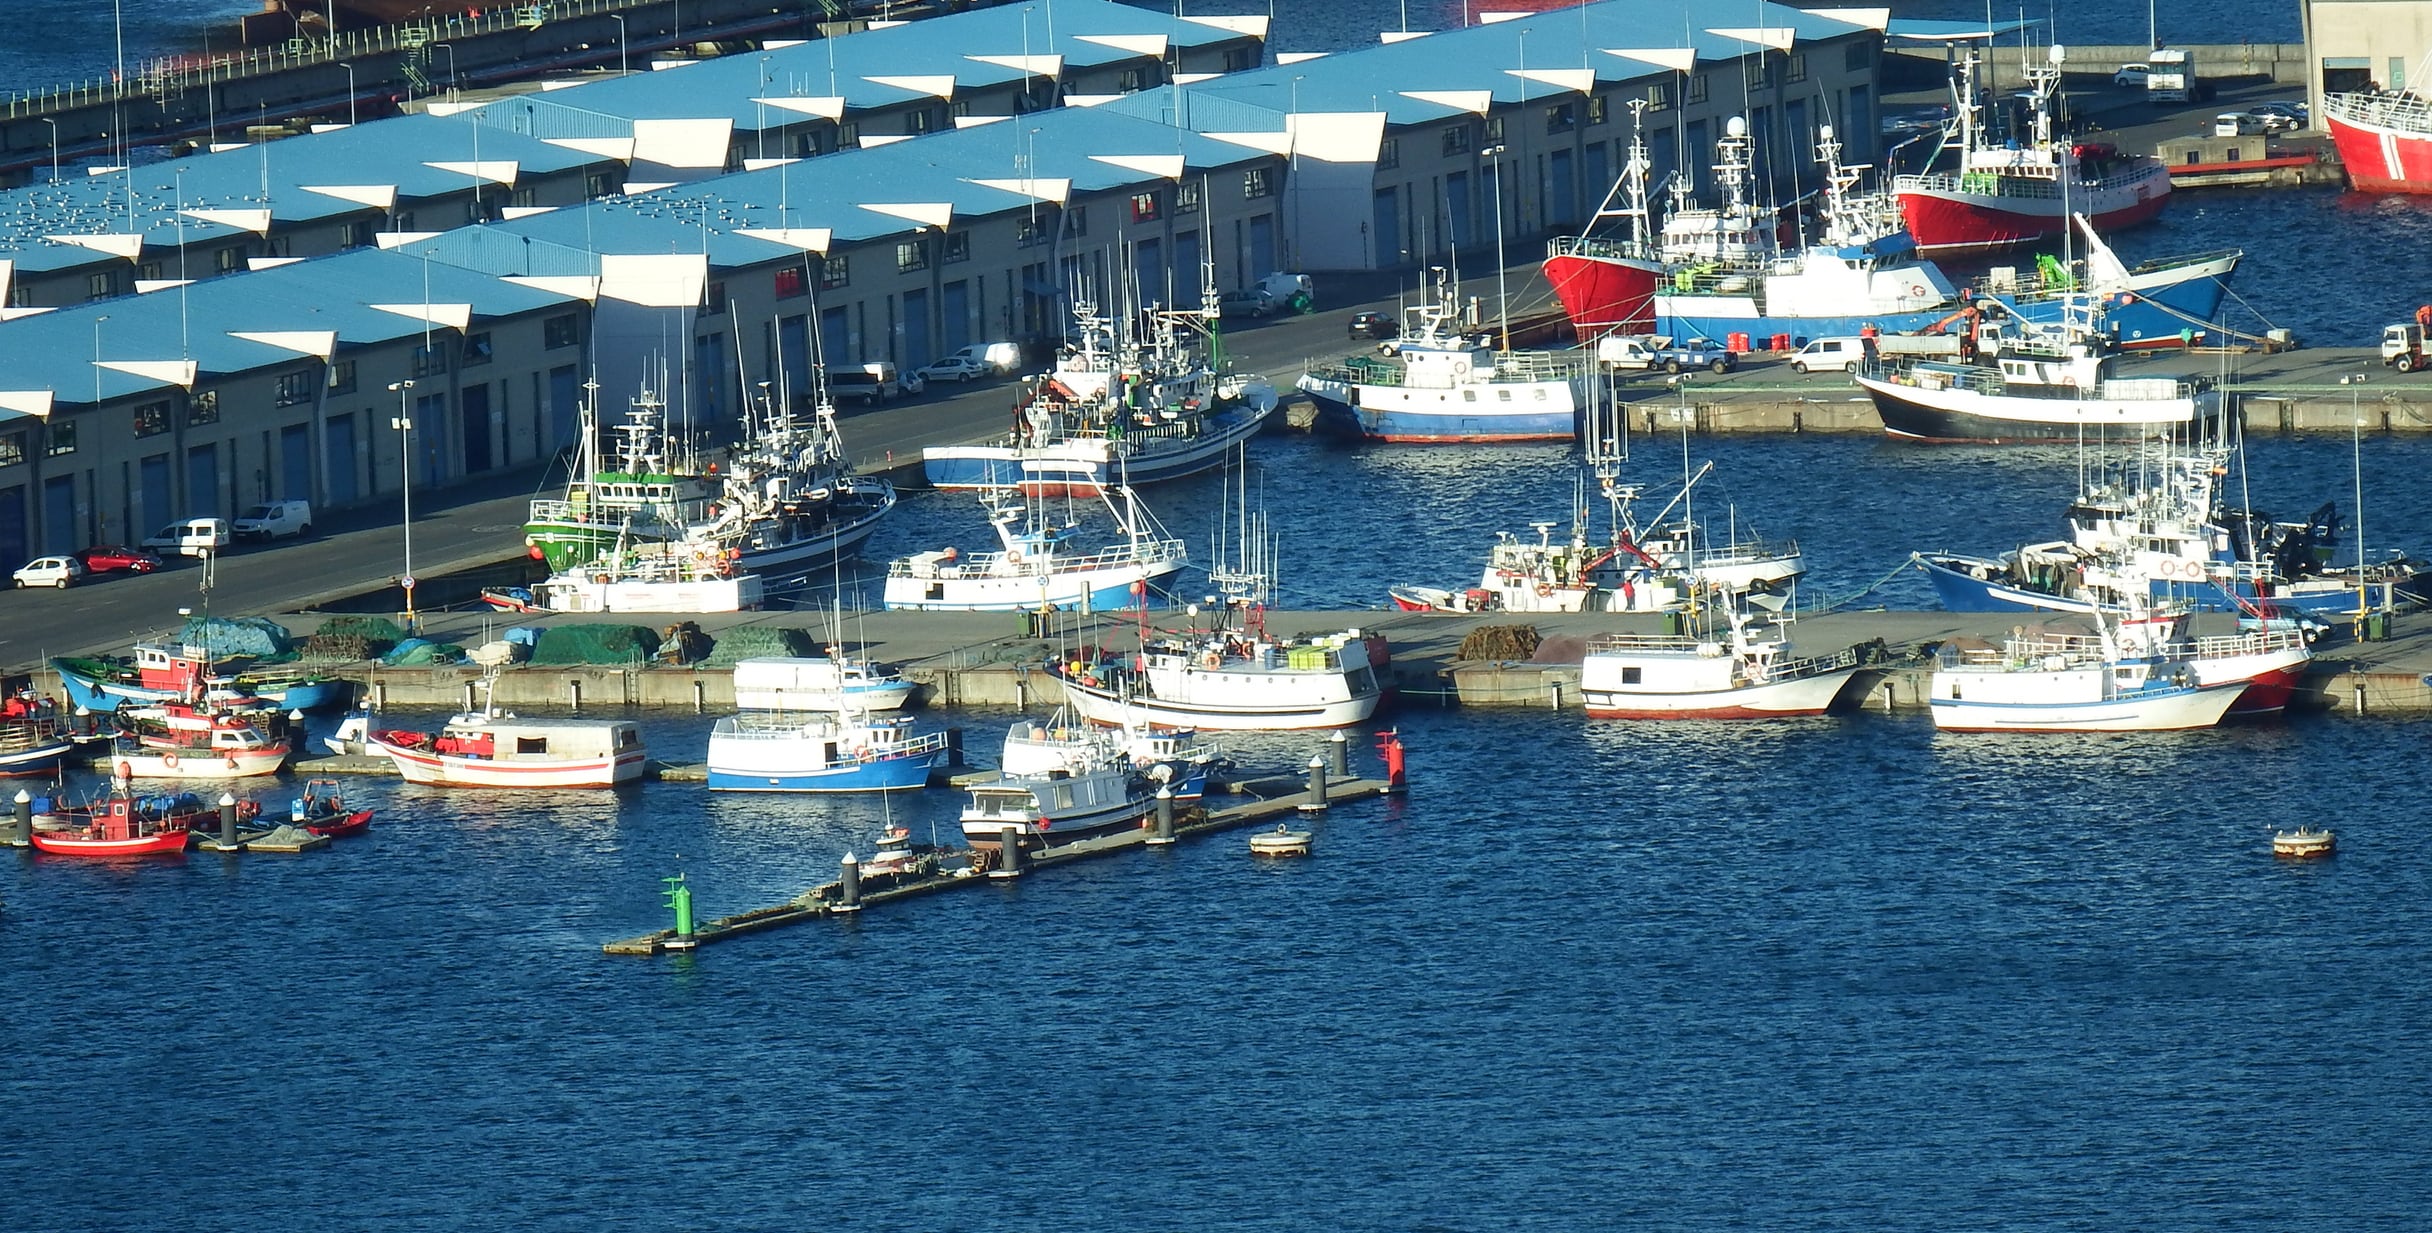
(2380, 159)
(1949, 222)
(1604, 295)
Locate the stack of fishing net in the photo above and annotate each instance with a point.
(1507, 643)
(605, 646)
(258, 638)
(760, 642)
(353, 637)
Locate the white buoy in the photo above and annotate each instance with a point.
(2304, 842)
(1282, 841)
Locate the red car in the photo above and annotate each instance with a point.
(110, 559)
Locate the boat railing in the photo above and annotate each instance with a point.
(2398, 111)
(1594, 246)
(1534, 366)
(1690, 644)
(2075, 650)
(2029, 180)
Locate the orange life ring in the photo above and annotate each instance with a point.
(125, 770)
(1916, 289)
(232, 762)
(1544, 589)
(169, 761)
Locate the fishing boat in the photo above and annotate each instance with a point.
(897, 857)
(2005, 190)
(778, 751)
(790, 502)
(2019, 381)
(2043, 680)
(2159, 529)
(169, 671)
(1443, 385)
(645, 497)
(1725, 271)
(1746, 674)
(121, 825)
(1057, 808)
(2384, 139)
(487, 749)
(831, 682)
(321, 810)
(661, 576)
(176, 740)
(34, 737)
(1171, 757)
(2270, 658)
(1041, 563)
(1116, 409)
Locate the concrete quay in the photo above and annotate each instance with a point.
(982, 659)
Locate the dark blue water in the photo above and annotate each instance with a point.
(1836, 975)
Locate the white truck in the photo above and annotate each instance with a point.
(2402, 347)
(274, 520)
(2170, 75)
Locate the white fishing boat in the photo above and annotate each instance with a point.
(175, 740)
(1057, 807)
(2044, 680)
(2033, 381)
(1441, 384)
(1173, 757)
(488, 749)
(1117, 408)
(1041, 563)
(790, 502)
(834, 681)
(1746, 674)
(777, 751)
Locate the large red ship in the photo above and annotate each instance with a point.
(2385, 140)
(2008, 193)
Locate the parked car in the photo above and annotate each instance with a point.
(191, 537)
(1837, 354)
(864, 383)
(274, 520)
(2236, 124)
(1233, 304)
(998, 356)
(112, 559)
(61, 572)
(1373, 325)
(2131, 75)
(955, 368)
(2291, 113)
(1660, 351)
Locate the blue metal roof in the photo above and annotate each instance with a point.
(56, 350)
(1484, 57)
(831, 192)
(148, 199)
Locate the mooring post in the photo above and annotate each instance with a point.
(468, 696)
(83, 724)
(1390, 743)
(700, 697)
(2360, 694)
(1316, 800)
(1008, 853)
(954, 747)
(574, 695)
(848, 884)
(1553, 695)
(25, 819)
(1338, 755)
(379, 695)
(679, 898)
(227, 822)
(1158, 838)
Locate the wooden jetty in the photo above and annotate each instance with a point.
(829, 899)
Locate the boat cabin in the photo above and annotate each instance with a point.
(526, 740)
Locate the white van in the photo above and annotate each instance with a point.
(1000, 356)
(276, 520)
(866, 383)
(193, 537)
(1844, 354)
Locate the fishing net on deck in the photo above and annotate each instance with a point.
(353, 637)
(600, 645)
(1500, 642)
(422, 653)
(760, 642)
(257, 637)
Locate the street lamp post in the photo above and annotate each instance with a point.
(54, 147)
(619, 19)
(404, 424)
(449, 48)
(2356, 452)
(350, 94)
(1494, 164)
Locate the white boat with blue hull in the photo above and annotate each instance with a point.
(1100, 794)
(1114, 412)
(2046, 682)
(831, 682)
(1441, 385)
(1044, 564)
(775, 752)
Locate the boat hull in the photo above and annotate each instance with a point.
(781, 761)
(59, 843)
(2384, 143)
(2161, 710)
(1978, 584)
(40, 758)
(1103, 590)
(1354, 412)
(987, 834)
(1605, 294)
(1250, 714)
(1967, 416)
(446, 771)
(1091, 466)
(1948, 219)
(1811, 695)
(203, 763)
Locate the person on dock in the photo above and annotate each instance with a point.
(1866, 341)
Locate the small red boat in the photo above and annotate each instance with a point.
(321, 811)
(124, 825)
